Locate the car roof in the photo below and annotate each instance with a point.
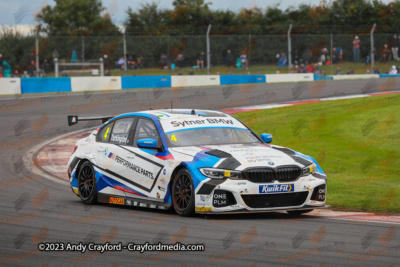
(167, 114)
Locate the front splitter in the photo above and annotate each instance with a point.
(263, 211)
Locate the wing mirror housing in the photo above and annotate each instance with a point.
(147, 143)
(267, 138)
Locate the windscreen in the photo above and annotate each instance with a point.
(207, 131)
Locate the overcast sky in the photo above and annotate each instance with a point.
(14, 12)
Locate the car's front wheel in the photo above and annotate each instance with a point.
(87, 185)
(183, 195)
(298, 212)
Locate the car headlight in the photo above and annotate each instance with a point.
(220, 173)
(309, 169)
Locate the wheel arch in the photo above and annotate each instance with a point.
(190, 209)
(175, 171)
(83, 160)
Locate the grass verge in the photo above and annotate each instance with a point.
(358, 68)
(355, 141)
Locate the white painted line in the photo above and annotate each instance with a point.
(359, 220)
(269, 106)
(54, 155)
(55, 168)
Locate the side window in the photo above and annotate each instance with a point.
(146, 129)
(104, 135)
(120, 132)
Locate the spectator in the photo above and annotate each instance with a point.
(335, 55)
(106, 62)
(376, 71)
(395, 47)
(385, 53)
(107, 72)
(393, 70)
(179, 60)
(1, 64)
(398, 45)
(369, 56)
(121, 63)
(324, 52)
(163, 61)
(191, 72)
(339, 71)
(296, 57)
(340, 53)
(368, 71)
(350, 72)
(32, 58)
(282, 62)
(238, 63)
(141, 63)
(32, 69)
(243, 60)
(45, 66)
(317, 69)
(229, 59)
(328, 60)
(200, 60)
(356, 49)
(307, 55)
(6, 69)
(310, 68)
(130, 62)
(74, 57)
(16, 74)
(302, 68)
(180, 73)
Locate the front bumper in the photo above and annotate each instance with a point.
(243, 196)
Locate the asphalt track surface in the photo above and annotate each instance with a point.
(34, 209)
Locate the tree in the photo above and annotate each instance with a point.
(148, 20)
(193, 16)
(76, 17)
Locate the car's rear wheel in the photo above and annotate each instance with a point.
(87, 185)
(183, 195)
(298, 212)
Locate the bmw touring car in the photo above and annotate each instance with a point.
(194, 161)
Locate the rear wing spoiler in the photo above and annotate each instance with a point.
(74, 119)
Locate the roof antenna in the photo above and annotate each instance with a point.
(148, 94)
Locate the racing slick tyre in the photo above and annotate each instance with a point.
(87, 185)
(183, 195)
(298, 212)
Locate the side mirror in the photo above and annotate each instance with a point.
(267, 138)
(147, 143)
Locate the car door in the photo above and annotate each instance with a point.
(107, 147)
(145, 167)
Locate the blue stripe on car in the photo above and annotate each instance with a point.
(312, 159)
(200, 160)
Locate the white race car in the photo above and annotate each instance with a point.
(196, 161)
